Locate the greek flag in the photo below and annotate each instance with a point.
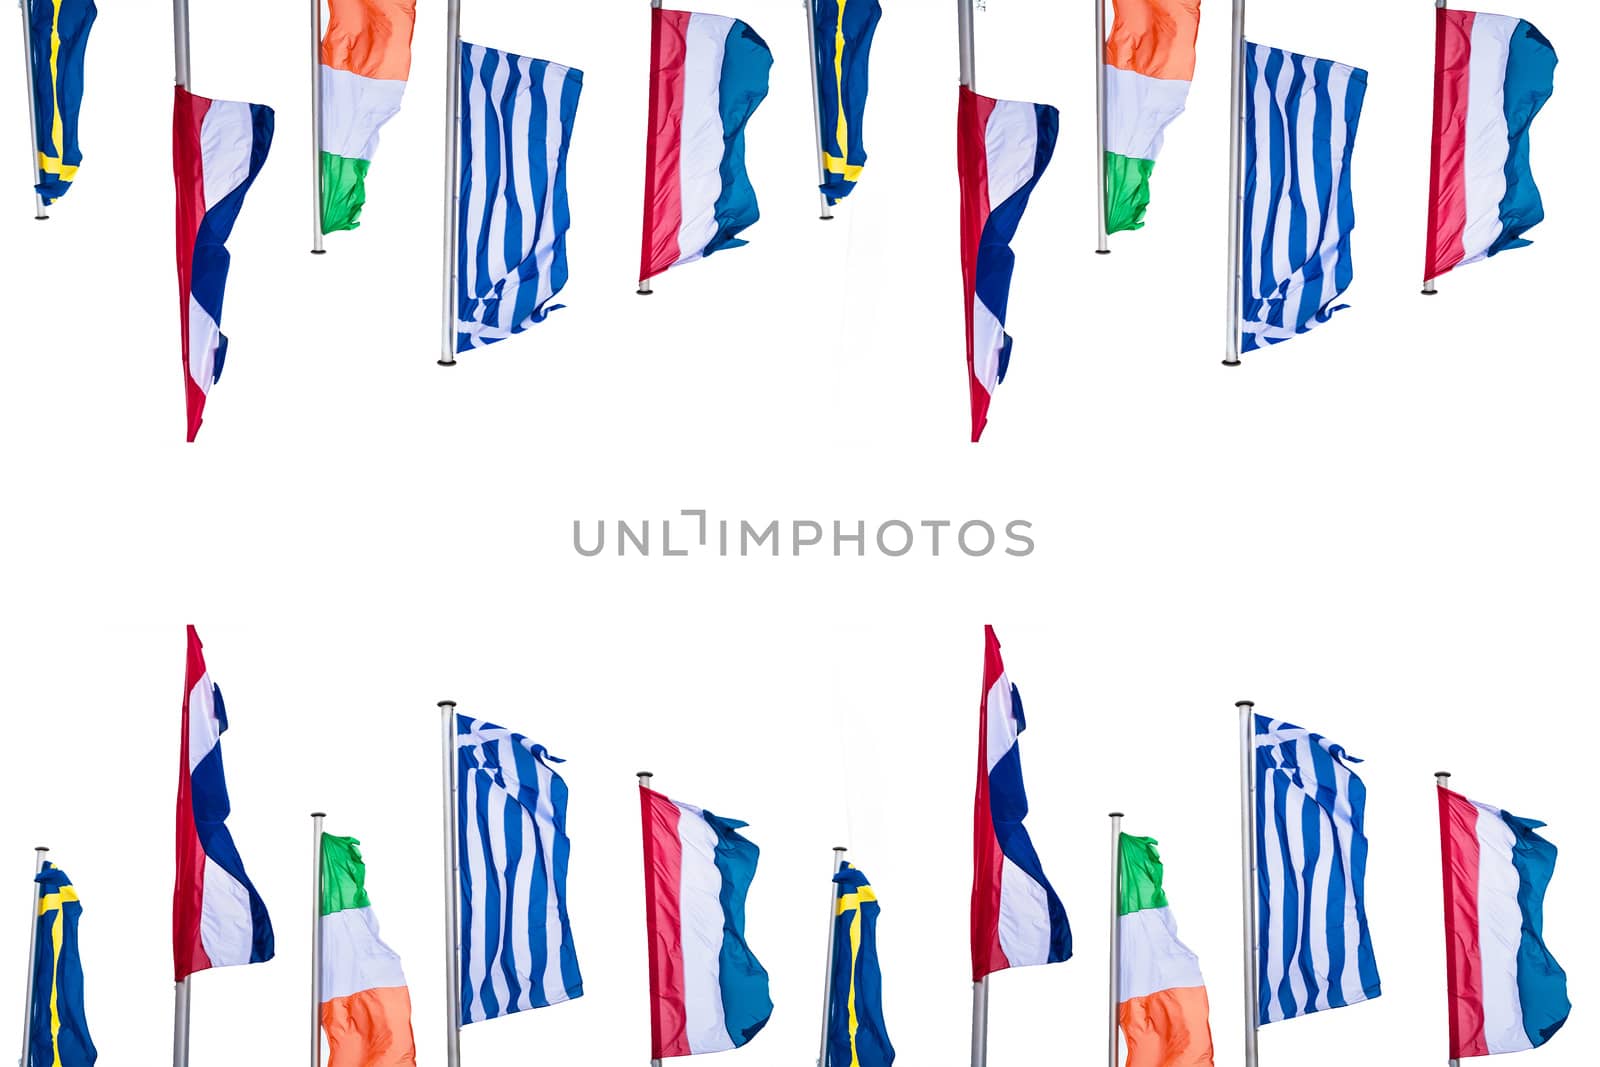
(1300, 118)
(1311, 871)
(511, 832)
(511, 252)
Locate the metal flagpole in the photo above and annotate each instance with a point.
(1235, 189)
(816, 107)
(1104, 247)
(452, 883)
(316, 937)
(180, 42)
(827, 973)
(980, 1022)
(1114, 1038)
(968, 50)
(1442, 780)
(316, 128)
(33, 114)
(1428, 288)
(1247, 834)
(180, 1023)
(644, 283)
(452, 185)
(33, 954)
(644, 783)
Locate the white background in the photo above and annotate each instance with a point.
(1383, 531)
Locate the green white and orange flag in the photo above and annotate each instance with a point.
(1162, 1003)
(366, 1007)
(1149, 64)
(366, 58)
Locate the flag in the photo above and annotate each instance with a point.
(844, 30)
(1149, 60)
(1507, 993)
(857, 1036)
(511, 247)
(365, 60)
(1311, 871)
(708, 992)
(511, 832)
(1002, 147)
(218, 918)
(1017, 919)
(1300, 118)
(1492, 74)
(366, 1007)
(708, 74)
(59, 34)
(58, 1034)
(218, 147)
(1161, 1004)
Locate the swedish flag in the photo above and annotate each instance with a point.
(844, 31)
(856, 1034)
(60, 36)
(59, 1035)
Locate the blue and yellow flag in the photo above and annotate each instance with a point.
(60, 34)
(59, 1036)
(844, 38)
(856, 1034)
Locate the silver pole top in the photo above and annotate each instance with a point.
(1442, 776)
(645, 775)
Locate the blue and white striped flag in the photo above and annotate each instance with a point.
(511, 812)
(1300, 117)
(511, 252)
(1311, 871)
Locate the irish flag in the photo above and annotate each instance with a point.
(366, 57)
(366, 1008)
(1149, 64)
(1161, 997)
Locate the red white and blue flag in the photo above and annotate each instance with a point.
(1017, 919)
(1002, 147)
(708, 992)
(218, 147)
(708, 74)
(218, 919)
(1492, 74)
(1507, 993)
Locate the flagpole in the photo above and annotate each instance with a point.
(968, 47)
(1247, 833)
(644, 783)
(827, 973)
(452, 185)
(180, 42)
(1441, 779)
(1428, 288)
(33, 114)
(816, 107)
(316, 936)
(980, 1022)
(452, 883)
(1113, 1040)
(1235, 189)
(39, 854)
(316, 128)
(1104, 247)
(644, 283)
(180, 1023)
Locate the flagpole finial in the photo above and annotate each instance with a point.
(447, 703)
(41, 848)
(840, 848)
(645, 774)
(1245, 704)
(1116, 815)
(319, 815)
(1441, 775)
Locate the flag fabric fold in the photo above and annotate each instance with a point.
(708, 992)
(58, 1034)
(218, 148)
(365, 61)
(1149, 61)
(218, 918)
(1161, 1005)
(59, 35)
(366, 1006)
(1017, 919)
(1507, 992)
(1300, 120)
(1002, 147)
(1492, 75)
(708, 74)
(1315, 948)
(857, 1036)
(517, 116)
(843, 31)
(517, 951)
